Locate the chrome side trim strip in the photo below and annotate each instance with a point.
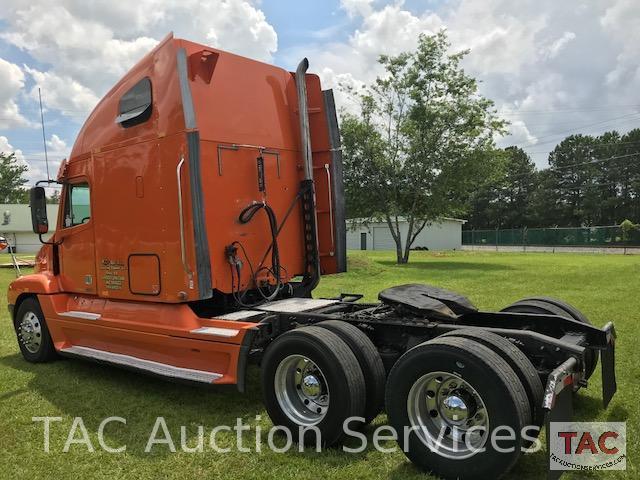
(82, 315)
(217, 332)
(157, 368)
(183, 251)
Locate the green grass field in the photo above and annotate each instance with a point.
(605, 287)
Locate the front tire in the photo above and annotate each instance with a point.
(32, 332)
(448, 386)
(311, 378)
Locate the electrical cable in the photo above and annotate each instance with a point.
(276, 269)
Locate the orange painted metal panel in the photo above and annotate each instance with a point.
(132, 248)
(237, 101)
(144, 274)
(144, 330)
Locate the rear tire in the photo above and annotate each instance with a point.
(486, 390)
(553, 306)
(32, 332)
(369, 360)
(311, 378)
(517, 360)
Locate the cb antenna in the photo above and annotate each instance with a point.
(44, 138)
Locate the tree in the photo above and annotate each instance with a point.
(627, 227)
(421, 142)
(506, 199)
(573, 172)
(11, 179)
(54, 197)
(624, 174)
(520, 183)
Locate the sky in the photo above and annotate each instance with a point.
(552, 67)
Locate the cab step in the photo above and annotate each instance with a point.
(141, 364)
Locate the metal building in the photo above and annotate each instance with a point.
(444, 234)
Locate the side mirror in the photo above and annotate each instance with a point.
(38, 201)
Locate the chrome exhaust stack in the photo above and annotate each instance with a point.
(303, 111)
(311, 276)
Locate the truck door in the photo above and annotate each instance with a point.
(77, 250)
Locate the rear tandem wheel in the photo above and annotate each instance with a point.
(517, 360)
(553, 306)
(461, 390)
(311, 378)
(370, 362)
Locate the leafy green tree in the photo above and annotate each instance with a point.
(506, 200)
(54, 197)
(627, 227)
(590, 181)
(545, 209)
(11, 179)
(573, 172)
(517, 194)
(625, 176)
(593, 180)
(420, 142)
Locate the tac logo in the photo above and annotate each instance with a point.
(588, 446)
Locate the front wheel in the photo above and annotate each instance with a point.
(32, 332)
(446, 399)
(312, 382)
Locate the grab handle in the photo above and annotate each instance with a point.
(183, 249)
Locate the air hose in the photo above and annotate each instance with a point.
(246, 215)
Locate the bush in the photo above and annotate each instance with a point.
(627, 228)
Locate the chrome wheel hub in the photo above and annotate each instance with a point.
(311, 387)
(448, 414)
(301, 390)
(454, 410)
(30, 332)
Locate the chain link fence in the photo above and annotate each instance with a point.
(611, 236)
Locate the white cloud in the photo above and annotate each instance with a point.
(6, 147)
(34, 172)
(392, 29)
(518, 134)
(90, 45)
(548, 65)
(620, 21)
(62, 93)
(357, 7)
(557, 46)
(57, 146)
(12, 81)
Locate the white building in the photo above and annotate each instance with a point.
(444, 234)
(15, 226)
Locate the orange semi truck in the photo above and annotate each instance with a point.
(201, 203)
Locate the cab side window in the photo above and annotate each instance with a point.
(78, 205)
(135, 105)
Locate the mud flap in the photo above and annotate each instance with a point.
(608, 361)
(558, 403)
(558, 398)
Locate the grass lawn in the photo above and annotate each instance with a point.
(604, 287)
